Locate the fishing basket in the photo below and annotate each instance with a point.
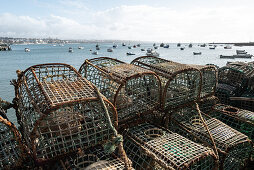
(133, 90)
(90, 159)
(12, 151)
(62, 112)
(181, 83)
(233, 147)
(150, 147)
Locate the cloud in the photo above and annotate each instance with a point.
(138, 22)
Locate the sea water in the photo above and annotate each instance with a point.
(18, 59)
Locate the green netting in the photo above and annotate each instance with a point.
(11, 149)
(150, 147)
(181, 83)
(133, 90)
(61, 112)
(229, 142)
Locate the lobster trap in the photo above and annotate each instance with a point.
(61, 112)
(181, 83)
(150, 147)
(12, 151)
(132, 90)
(233, 147)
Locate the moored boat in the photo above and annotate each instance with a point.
(109, 50)
(95, 52)
(197, 53)
(70, 49)
(130, 53)
(27, 49)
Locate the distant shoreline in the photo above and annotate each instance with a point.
(238, 44)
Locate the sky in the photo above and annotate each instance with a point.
(141, 20)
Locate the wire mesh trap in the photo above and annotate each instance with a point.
(234, 148)
(11, 149)
(132, 90)
(150, 147)
(90, 159)
(181, 83)
(61, 112)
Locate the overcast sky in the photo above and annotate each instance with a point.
(147, 20)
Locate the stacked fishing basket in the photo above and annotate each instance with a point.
(136, 94)
(65, 122)
(193, 84)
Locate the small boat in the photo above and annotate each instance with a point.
(203, 45)
(190, 45)
(156, 47)
(95, 52)
(166, 46)
(162, 45)
(228, 47)
(27, 50)
(115, 46)
(151, 52)
(109, 50)
(182, 48)
(80, 47)
(154, 44)
(241, 52)
(54, 45)
(138, 45)
(97, 45)
(197, 53)
(123, 44)
(142, 49)
(212, 47)
(134, 46)
(97, 48)
(130, 53)
(70, 49)
(178, 45)
(130, 47)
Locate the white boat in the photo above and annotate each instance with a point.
(151, 52)
(228, 47)
(70, 49)
(95, 52)
(109, 50)
(115, 46)
(80, 47)
(27, 50)
(123, 44)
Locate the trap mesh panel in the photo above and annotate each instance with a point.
(180, 82)
(150, 147)
(239, 119)
(11, 149)
(90, 159)
(133, 90)
(61, 112)
(207, 104)
(209, 79)
(231, 82)
(231, 144)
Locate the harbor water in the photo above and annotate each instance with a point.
(18, 59)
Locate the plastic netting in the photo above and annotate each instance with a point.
(231, 144)
(90, 159)
(181, 83)
(11, 149)
(133, 90)
(61, 112)
(150, 147)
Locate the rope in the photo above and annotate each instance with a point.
(206, 127)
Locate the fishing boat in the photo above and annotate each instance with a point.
(151, 52)
(130, 53)
(190, 45)
(109, 50)
(138, 45)
(134, 46)
(130, 47)
(115, 46)
(197, 53)
(228, 47)
(80, 47)
(212, 47)
(166, 46)
(95, 52)
(123, 44)
(162, 45)
(156, 47)
(203, 45)
(241, 52)
(27, 49)
(154, 44)
(182, 48)
(142, 49)
(178, 45)
(97, 48)
(70, 49)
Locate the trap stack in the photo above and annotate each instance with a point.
(62, 113)
(234, 148)
(12, 151)
(135, 92)
(181, 83)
